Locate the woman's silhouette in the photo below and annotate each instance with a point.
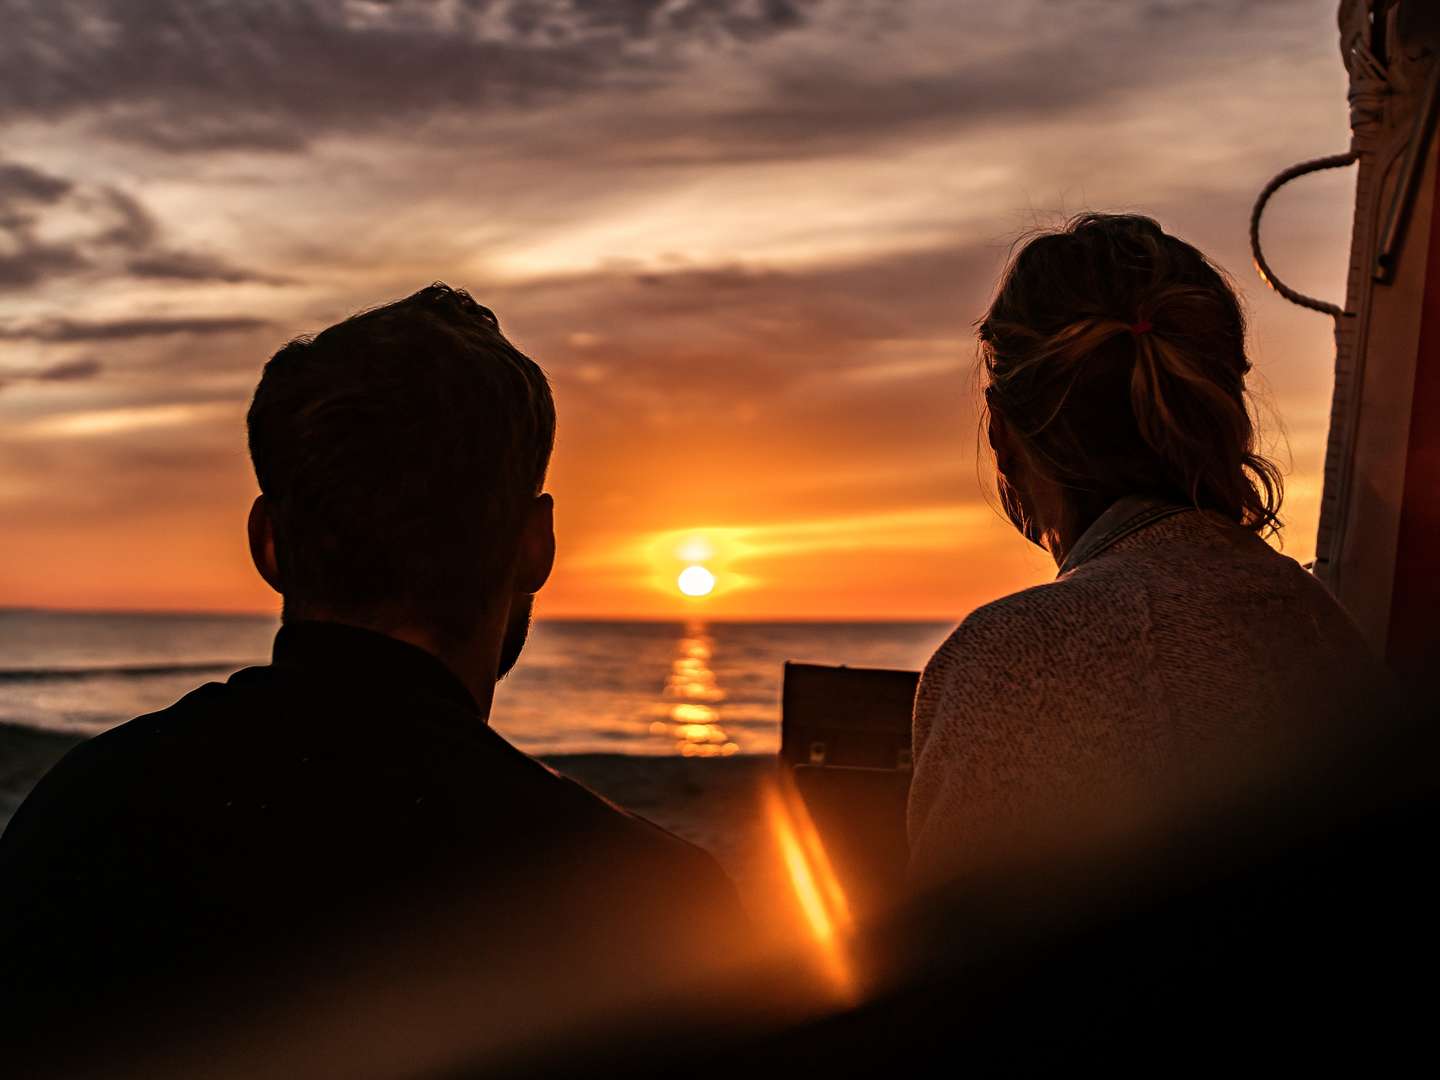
(1179, 663)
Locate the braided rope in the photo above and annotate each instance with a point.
(1334, 161)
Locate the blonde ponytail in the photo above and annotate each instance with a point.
(1115, 353)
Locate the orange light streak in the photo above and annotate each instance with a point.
(812, 879)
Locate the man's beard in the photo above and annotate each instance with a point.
(517, 629)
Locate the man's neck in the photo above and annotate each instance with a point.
(474, 661)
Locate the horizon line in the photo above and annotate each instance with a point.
(35, 609)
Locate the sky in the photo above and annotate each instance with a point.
(747, 239)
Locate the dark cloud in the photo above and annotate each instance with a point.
(66, 331)
(19, 181)
(79, 370)
(70, 371)
(191, 266)
(104, 229)
(270, 73)
(134, 227)
(138, 232)
(823, 104)
(203, 132)
(31, 264)
(26, 258)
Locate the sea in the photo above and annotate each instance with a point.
(697, 689)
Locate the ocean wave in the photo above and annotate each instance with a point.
(121, 671)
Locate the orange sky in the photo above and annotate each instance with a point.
(747, 243)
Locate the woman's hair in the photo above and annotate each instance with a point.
(1114, 353)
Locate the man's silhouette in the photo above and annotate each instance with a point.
(345, 816)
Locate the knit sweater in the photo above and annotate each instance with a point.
(1177, 664)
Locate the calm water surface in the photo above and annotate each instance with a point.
(581, 687)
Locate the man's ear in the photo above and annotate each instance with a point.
(536, 557)
(262, 543)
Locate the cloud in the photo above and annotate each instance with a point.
(25, 256)
(734, 551)
(925, 527)
(81, 369)
(65, 331)
(134, 227)
(269, 74)
(748, 239)
(123, 420)
(721, 326)
(70, 370)
(23, 182)
(176, 265)
(823, 94)
(275, 76)
(952, 360)
(34, 263)
(52, 227)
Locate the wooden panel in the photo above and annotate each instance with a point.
(1415, 607)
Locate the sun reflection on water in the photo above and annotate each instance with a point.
(690, 711)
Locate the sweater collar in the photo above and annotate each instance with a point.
(359, 656)
(1124, 518)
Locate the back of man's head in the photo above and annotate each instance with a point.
(397, 452)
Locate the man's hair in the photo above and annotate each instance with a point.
(397, 451)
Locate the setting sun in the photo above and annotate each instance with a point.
(696, 581)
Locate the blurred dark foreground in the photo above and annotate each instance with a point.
(1298, 932)
(1293, 932)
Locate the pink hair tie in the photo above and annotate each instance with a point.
(1141, 327)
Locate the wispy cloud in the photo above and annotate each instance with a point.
(53, 227)
(100, 422)
(70, 370)
(68, 331)
(66, 371)
(171, 265)
(742, 548)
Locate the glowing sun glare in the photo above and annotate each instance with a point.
(696, 581)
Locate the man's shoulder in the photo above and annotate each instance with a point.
(266, 770)
(544, 831)
(123, 753)
(579, 809)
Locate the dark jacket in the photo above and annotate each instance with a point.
(343, 809)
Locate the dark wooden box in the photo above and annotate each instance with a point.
(845, 736)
